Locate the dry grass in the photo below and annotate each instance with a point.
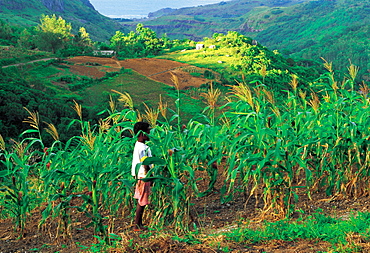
(175, 80)
(243, 92)
(162, 107)
(125, 98)
(89, 138)
(2, 143)
(364, 90)
(33, 120)
(52, 130)
(328, 65)
(151, 115)
(294, 82)
(353, 71)
(314, 102)
(211, 96)
(78, 109)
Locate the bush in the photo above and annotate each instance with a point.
(208, 74)
(276, 12)
(67, 79)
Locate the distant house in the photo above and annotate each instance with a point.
(199, 46)
(104, 52)
(212, 47)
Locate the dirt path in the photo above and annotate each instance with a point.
(24, 63)
(156, 69)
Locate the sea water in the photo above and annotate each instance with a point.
(141, 8)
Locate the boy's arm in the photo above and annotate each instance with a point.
(147, 168)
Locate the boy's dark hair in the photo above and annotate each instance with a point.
(141, 126)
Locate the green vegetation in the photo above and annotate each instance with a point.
(235, 58)
(29, 87)
(304, 145)
(142, 42)
(241, 60)
(11, 55)
(274, 129)
(25, 14)
(198, 22)
(50, 88)
(317, 226)
(335, 30)
(53, 34)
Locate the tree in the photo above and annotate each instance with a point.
(142, 42)
(117, 41)
(82, 39)
(55, 25)
(148, 37)
(5, 30)
(25, 40)
(49, 41)
(80, 44)
(53, 33)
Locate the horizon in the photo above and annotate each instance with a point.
(141, 8)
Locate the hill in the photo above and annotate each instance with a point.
(80, 13)
(337, 30)
(203, 21)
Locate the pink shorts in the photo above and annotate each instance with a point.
(142, 192)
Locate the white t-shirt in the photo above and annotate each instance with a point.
(141, 150)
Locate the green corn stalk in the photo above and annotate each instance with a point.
(59, 205)
(19, 197)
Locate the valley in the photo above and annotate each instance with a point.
(255, 149)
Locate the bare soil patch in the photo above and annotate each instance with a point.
(93, 72)
(156, 69)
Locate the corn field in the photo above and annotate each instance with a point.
(264, 145)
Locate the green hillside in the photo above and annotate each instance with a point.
(79, 13)
(337, 30)
(203, 21)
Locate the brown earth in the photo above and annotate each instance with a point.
(157, 69)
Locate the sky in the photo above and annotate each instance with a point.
(141, 8)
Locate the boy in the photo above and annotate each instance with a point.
(142, 189)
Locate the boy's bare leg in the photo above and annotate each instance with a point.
(139, 216)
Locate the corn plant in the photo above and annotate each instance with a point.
(16, 184)
(92, 170)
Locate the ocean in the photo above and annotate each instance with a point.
(141, 8)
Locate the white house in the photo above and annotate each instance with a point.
(104, 52)
(199, 46)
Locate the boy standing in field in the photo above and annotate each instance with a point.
(142, 189)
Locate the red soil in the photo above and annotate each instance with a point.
(157, 69)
